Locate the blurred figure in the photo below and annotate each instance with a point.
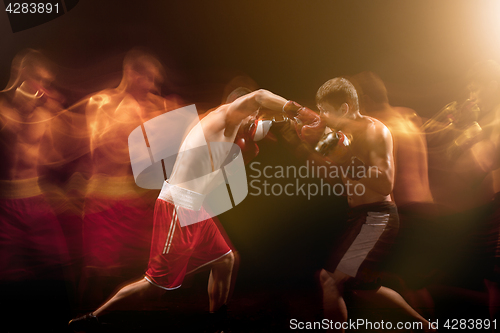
(416, 243)
(118, 215)
(482, 163)
(469, 182)
(32, 246)
(411, 181)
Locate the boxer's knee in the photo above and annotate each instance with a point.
(332, 281)
(134, 288)
(326, 280)
(226, 261)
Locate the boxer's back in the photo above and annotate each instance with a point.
(203, 151)
(411, 181)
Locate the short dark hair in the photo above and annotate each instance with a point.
(484, 72)
(338, 91)
(370, 84)
(237, 93)
(27, 60)
(137, 58)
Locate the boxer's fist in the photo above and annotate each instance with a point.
(291, 109)
(307, 123)
(252, 131)
(259, 129)
(335, 146)
(312, 132)
(249, 148)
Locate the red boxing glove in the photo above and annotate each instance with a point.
(245, 141)
(249, 149)
(308, 124)
(291, 109)
(312, 127)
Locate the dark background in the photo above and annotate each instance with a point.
(421, 49)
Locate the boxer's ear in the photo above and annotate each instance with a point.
(344, 108)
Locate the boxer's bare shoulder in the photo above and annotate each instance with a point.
(372, 133)
(215, 120)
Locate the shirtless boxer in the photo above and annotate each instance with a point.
(373, 218)
(117, 222)
(185, 238)
(477, 171)
(464, 168)
(32, 245)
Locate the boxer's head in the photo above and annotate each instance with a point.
(142, 72)
(237, 93)
(337, 100)
(484, 84)
(371, 90)
(32, 75)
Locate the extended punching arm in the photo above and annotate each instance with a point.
(307, 123)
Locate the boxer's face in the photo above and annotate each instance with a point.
(145, 78)
(483, 94)
(37, 82)
(41, 78)
(332, 116)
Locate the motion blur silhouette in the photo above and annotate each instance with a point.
(32, 245)
(118, 215)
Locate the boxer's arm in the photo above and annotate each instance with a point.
(379, 175)
(494, 142)
(50, 153)
(95, 114)
(91, 116)
(483, 157)
(250, 103)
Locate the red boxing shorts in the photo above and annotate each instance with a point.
(32, 245)
(117, 227)
(116, 235)
(178, 250)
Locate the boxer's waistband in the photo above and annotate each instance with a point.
(121, 186)
(20, 188)
(375, 207)
(180, 196)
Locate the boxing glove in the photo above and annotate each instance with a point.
(259, 129)
(245, 140)
(249, 149)
(335, 146)
(307, 123)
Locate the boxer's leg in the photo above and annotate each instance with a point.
(129, 296)
(493, 288)
(333, 303)
(126, 298)
(219, 282)
(384, 295)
